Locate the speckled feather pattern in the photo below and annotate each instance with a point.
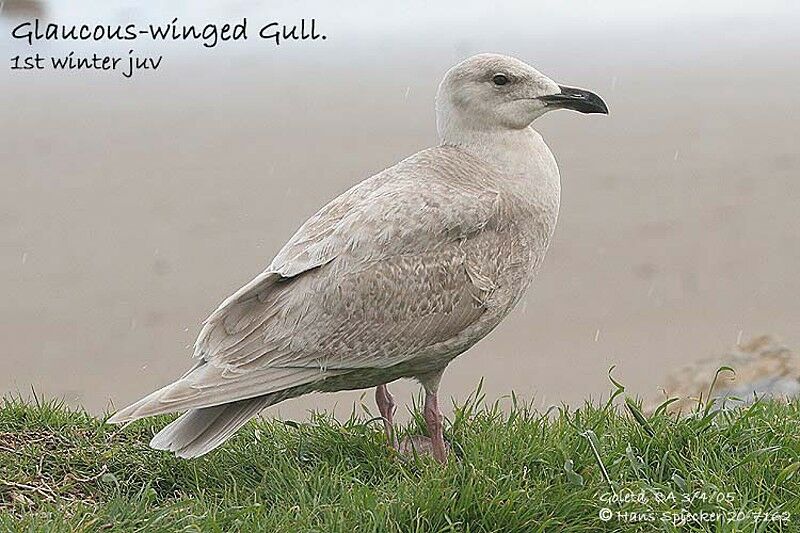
(394, 278)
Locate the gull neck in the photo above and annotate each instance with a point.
(511, 151)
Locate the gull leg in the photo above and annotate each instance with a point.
(386, 406)
(434, 445)
(433, 418)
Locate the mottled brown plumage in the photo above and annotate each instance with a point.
(392, 279)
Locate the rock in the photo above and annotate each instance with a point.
(764, 368)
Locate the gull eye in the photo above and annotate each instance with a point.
(500, 79)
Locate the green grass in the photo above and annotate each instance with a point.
(514, 469)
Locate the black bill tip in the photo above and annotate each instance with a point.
(576, 99)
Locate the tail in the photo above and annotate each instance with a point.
(214, 408)
(198, 431)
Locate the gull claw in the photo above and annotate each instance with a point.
(418, 445)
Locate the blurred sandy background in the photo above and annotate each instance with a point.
(131, 208)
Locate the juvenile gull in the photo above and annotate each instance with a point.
(395, 277)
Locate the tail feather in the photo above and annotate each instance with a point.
(198, 431)
(208, 386)
(216, 410)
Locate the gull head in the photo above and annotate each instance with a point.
(493, 92)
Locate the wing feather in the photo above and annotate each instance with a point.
(375, 276)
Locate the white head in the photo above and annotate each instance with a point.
(492, 92)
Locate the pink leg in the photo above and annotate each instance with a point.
(386, 406)
(433, 416)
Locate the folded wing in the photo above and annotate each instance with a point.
(377, 275)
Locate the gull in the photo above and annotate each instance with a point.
(395, 277)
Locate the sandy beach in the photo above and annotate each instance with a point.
(131, 208)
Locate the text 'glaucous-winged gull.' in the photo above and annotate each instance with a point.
(395, 277)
